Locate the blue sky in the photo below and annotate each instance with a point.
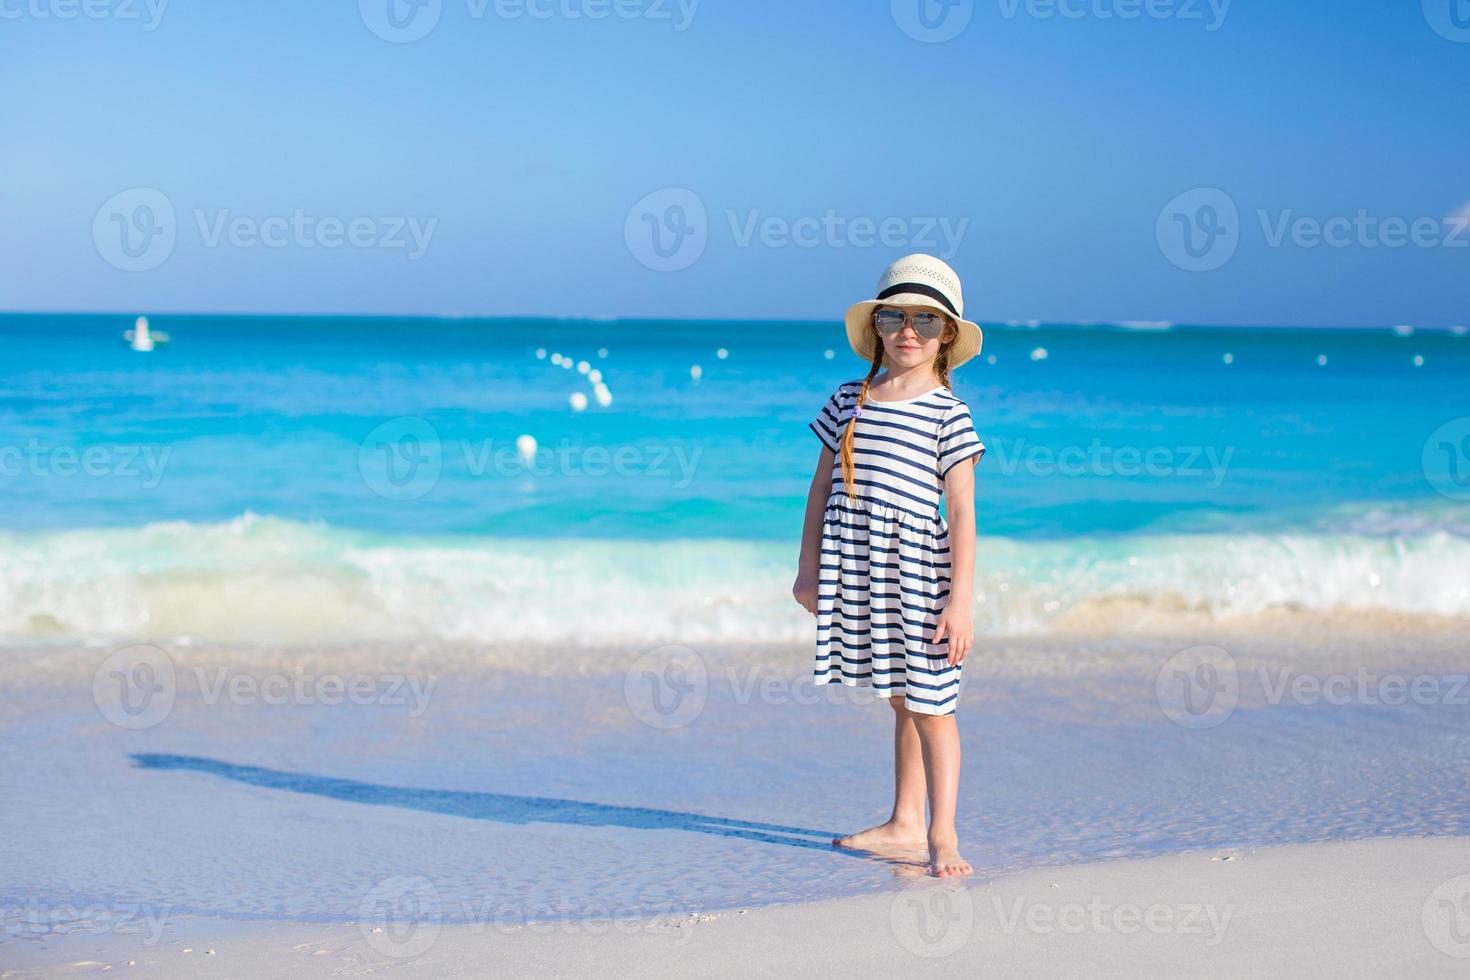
(1056, 151)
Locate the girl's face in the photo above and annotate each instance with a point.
(907, 347)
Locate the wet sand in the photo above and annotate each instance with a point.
(1364, 909)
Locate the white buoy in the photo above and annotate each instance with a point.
(990, 359)
(1039, 354)
(540, 353)
(526, 447)
(722, 353)
(567, 363)
(603, 396)
(1418, 360)
(141, 339)
(578, 401)
(1404, 330)
(594, 376)
(1321, 360)
(829, 354)
(555, 358)
(696, 372)
(1229, 358)
(602, 352)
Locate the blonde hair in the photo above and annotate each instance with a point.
(941, 374)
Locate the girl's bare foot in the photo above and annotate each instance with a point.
(945, 860)
(885, 838)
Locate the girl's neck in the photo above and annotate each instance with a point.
(907, 382)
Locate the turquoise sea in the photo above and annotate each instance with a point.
(344, 476)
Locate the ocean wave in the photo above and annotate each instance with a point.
(263, 579)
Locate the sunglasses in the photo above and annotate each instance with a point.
(929, 326)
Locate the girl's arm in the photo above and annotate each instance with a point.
(807, 573)
(957, 620)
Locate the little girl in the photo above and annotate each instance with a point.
(879, 562)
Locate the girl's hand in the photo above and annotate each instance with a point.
(958, 625)
(805, 590)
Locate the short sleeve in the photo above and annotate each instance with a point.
(828, 423)
(957, 439)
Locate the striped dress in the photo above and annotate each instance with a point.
(885, 566)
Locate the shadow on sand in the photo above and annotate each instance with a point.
(500, 807)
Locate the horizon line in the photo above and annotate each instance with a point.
(1138, 326)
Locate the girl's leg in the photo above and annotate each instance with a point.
(939, 737)
(904, 830)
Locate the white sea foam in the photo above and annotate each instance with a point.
(265, 579)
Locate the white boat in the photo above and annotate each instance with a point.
(140, 338)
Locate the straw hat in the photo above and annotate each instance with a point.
(916, 280)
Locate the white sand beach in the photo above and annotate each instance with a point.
(1366, 909)
(275, 806)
